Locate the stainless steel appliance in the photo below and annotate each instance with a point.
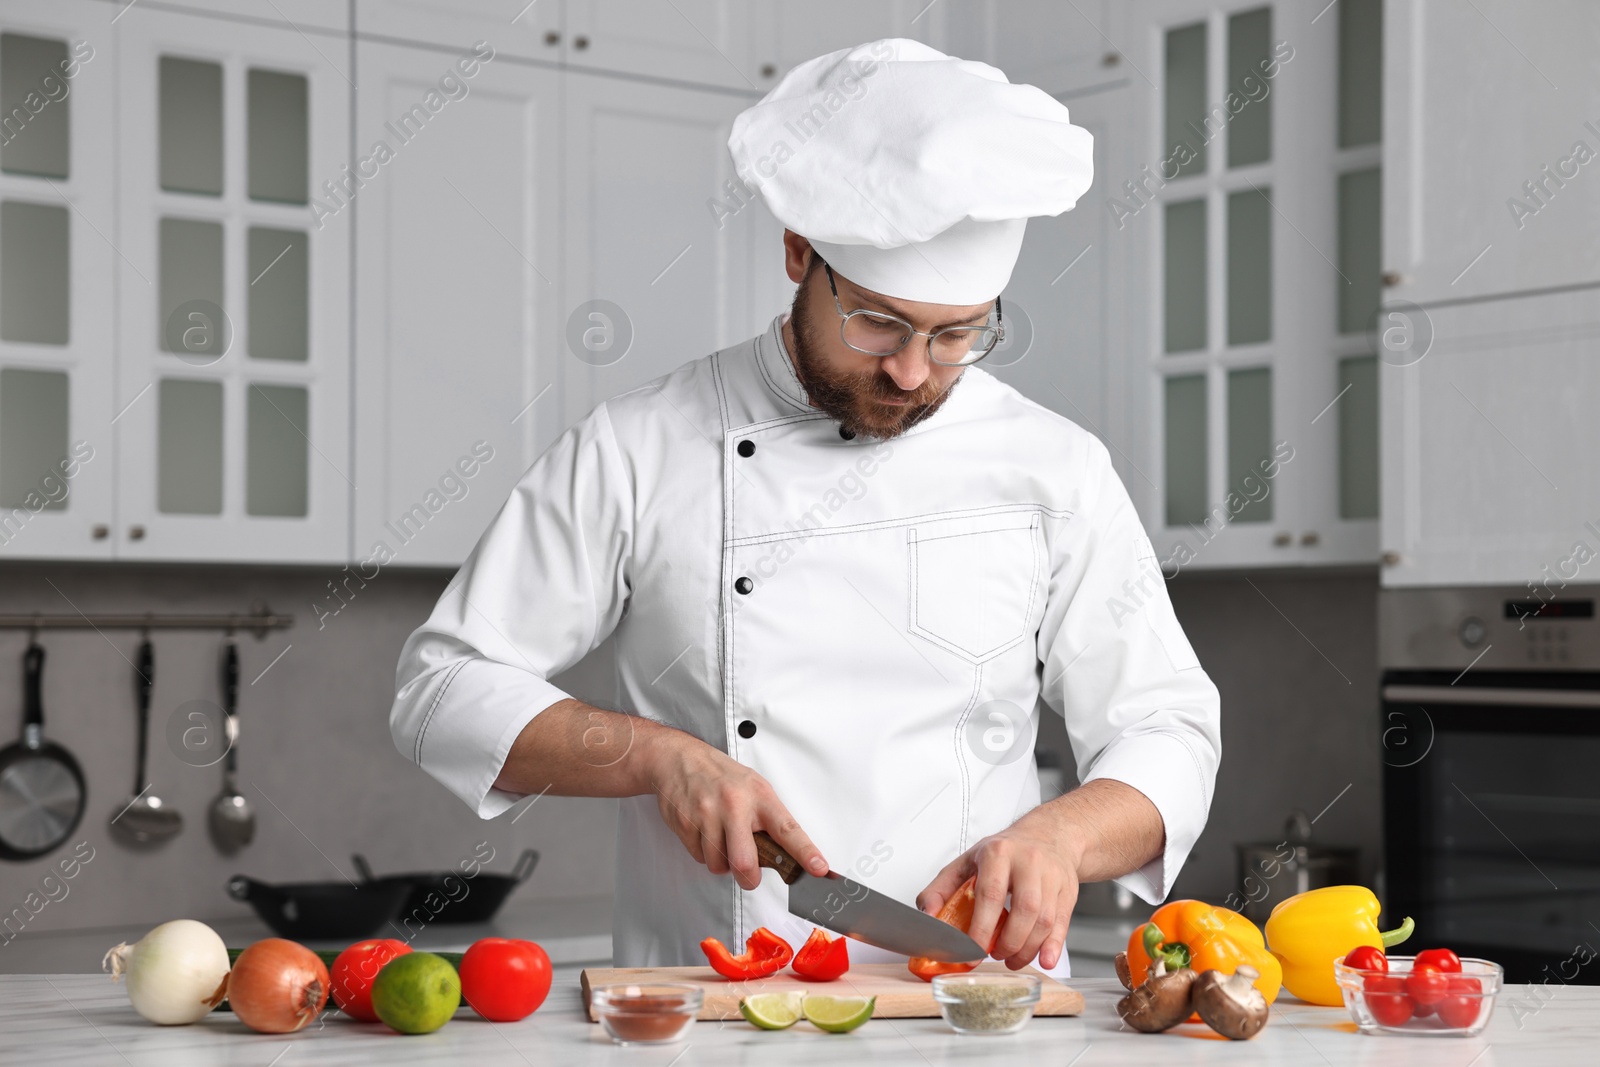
(1490, 737)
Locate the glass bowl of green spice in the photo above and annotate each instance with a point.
(986, 1003)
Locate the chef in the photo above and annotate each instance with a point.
(845, 569)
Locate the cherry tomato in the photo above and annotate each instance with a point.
(1367, 958)
(503, 979)
(1387, 1000)
(1426, 986)
(1459, 1012)
(353, 971)
(1440, 959)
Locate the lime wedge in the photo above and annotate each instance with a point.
(838, 1015)
(772, 1011)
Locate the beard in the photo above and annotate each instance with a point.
(853, 400)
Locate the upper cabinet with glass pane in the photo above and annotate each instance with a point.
(243, 425)
(56, 280)
(1255, 235)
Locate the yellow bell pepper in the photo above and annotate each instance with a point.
(1204, 938)
(1308, 931)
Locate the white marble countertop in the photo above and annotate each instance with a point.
(77, 1020)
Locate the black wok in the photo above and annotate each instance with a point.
(449, 896)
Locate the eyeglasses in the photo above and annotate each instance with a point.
(877, 333)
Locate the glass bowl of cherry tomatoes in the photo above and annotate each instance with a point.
(1434, 993)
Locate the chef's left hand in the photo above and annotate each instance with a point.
(1029, 861)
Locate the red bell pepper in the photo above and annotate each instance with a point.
(957, 911)
(822, 958)
(764, 953)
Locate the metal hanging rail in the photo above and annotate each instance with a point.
(257, 622)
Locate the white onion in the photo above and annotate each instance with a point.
(176, 973)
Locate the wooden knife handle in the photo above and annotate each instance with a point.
(770, 854)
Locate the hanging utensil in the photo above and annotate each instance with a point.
(145, 819)
(42, 793)
(232, 819)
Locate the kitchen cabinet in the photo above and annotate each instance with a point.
(1488, 387)
(1499, 109)
(1250, 214)
(233, 312)
(458, 328)
(521, 30)
(57, 276)
(784, 34)
(298, 15)
(645, 167)
(704, 41)
(1063, 307)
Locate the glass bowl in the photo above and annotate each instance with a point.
(1380, 1003)
(653, 1014)
(986, 1003)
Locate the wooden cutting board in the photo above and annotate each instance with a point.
(901, 995)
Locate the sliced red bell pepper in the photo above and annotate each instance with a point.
(764, 953)
(822, 958)
(957, 911)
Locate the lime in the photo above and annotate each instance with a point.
(772, 1011)
(838, 1015)
(416, 993)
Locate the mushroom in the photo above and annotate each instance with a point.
(1123, 974)
(1230, 1003)
(1161, 1003)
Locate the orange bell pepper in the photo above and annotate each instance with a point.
(1217, 940)
(957, 911)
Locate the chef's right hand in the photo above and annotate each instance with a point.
(715, 804)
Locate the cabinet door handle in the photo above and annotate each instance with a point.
(768, 70)
(1310, 537)
(580, 42)
(136, 533)
(551, 37)
(1283, 539)
(100, 531)
(1390, 559)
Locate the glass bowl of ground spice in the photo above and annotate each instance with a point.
(654, 1014)
(986, 1003)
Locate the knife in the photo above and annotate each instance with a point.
(847, 907)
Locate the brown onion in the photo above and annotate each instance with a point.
(277, 986)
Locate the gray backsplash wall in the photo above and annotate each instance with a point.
(315, 755)
(317, 760)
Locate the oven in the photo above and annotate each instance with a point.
(1490, 738)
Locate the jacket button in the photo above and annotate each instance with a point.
(747, 729)
(747, 448)
(846, 434)
(744, 585)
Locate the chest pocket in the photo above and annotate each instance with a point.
(974, 581)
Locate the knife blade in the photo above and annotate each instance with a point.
(847, 907)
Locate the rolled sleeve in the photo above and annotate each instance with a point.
(546, 583)
(1138, 707)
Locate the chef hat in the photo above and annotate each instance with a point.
(911, 172)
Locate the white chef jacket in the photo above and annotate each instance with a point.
(906, 600)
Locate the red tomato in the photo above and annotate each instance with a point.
(503, 979)
(1440, 959)
(1367, 958)
(353, 971)
(1458, 1012)
(1387, 1000)
(1426, 986)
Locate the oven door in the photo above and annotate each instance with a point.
(1491, 793)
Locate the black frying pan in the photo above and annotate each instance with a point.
(449, 897)
(42, 794)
